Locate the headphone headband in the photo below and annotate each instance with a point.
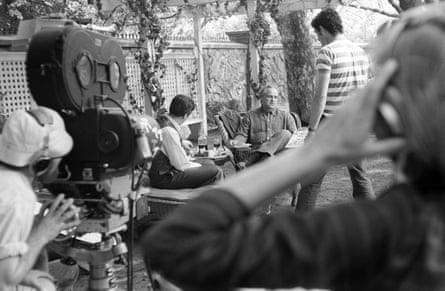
(44, 120)
(41, 161)
(414, 19)
(41, 116)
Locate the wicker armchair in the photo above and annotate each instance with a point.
(227, 123)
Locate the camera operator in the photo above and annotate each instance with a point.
(32, 145)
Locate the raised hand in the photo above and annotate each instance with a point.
(60, 215)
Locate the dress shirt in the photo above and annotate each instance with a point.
(172, 148)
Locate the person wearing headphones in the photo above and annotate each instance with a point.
(32, 144)
(396, 242)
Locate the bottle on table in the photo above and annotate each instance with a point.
(202, 144)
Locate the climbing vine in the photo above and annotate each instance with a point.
(260, 31)
(191, 78)
(150, 30)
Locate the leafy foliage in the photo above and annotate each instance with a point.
(14, 11)
(260, 30)
(137, 13)
(150, 29)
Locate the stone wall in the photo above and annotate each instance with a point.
(225, 74)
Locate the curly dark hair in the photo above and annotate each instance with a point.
(330, 20)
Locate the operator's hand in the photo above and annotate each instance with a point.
(345, 137)
(60, 215)
(39, 280)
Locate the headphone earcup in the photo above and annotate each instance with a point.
(47, 171)
(388, 122)
(39, 166)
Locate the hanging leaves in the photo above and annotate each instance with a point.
(150, 29)
(260, 31)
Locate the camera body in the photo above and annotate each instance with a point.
(82, 75)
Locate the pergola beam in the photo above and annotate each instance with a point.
(289, 5)
(179, 3)
(197, 20)
(285, 4)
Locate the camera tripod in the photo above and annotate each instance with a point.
(100, 257)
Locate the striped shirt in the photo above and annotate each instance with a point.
(348, 66)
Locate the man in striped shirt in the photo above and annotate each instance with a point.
(342, 67)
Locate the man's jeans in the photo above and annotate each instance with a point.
(361, 187)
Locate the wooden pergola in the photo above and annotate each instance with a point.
(285, 6)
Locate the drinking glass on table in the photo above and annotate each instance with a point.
(217, 145)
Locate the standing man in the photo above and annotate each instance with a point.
(341, 67)
(267, 128)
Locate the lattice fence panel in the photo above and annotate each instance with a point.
(175, 80)
(134, 84)
(13, 85)
(14, 92)
(169, 81)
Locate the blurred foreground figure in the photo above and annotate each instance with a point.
(32, 144)
(396, 242)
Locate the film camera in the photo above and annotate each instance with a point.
(82, 75)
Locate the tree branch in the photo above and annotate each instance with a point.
(380, 11)
(395, 6)
(42, 3)
(172, 16)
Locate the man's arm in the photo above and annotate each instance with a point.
(319, 101)
(17, 257)
(16, 262)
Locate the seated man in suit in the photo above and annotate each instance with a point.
(267, 128)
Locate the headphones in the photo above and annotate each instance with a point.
(388, 121)
(40, 161)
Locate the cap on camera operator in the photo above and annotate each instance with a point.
(32, 144)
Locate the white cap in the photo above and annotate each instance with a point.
(22, 138)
